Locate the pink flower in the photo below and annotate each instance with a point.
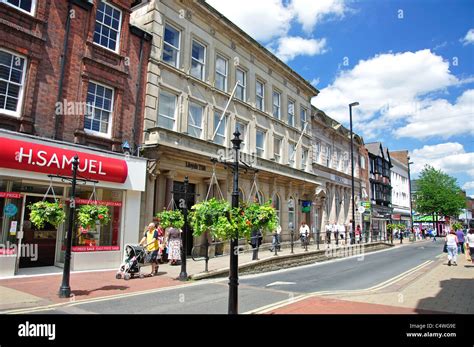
(101, 216)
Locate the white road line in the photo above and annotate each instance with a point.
(279, 283)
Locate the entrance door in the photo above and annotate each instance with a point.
(41, 244)
(191, 200)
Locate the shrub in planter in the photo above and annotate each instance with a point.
(46, 212)
(89, 215)
(171, 218)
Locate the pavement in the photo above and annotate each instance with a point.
(100, 292)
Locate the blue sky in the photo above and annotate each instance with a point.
(409, 63)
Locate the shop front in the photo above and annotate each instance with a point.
(25, 163)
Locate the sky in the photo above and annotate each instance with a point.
(409, 63)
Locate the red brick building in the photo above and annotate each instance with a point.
(56, 55)
(72, 77)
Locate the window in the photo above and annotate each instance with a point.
(27, 6)
(241, 92)
(328, 156)
(260, 95)
(242, 128)
(277, 149)
(291, 113)
(302, 117)
(291, 154)
(317, 151)
(276, 206)
(362, 162)
(167, 110)
(276, 105)
(220, 134)
(259, 198)
(100, 101)
(12, 75)
(221, 73)
(107, 26)
(241, 195)
(260, 143)
(198, 60)
(171, 46)
(304, 158)
(195, 120)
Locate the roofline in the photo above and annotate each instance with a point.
(265, 50)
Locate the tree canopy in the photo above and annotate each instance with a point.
(438, 193)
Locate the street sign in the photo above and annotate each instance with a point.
(361, 209)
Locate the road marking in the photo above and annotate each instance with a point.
(279, 283)
(272, 307)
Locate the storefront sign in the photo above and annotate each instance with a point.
(98, 202)
(396, 217)
(195, 166)
(92, 248)
(339, 179)
(10, 210)
(22, 155)
(10, 195)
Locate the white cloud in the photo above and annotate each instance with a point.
(393, 89)
(315, 81)
(289, 47)
(309, 12)
(449, 157)
(468, 185)
(469, 38)
(263, 19)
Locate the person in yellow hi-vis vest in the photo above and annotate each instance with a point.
(150, 239)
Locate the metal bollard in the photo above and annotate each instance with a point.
(292, 234)
(306, 242)
(207, 256)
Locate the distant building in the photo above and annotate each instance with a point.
(400, 187)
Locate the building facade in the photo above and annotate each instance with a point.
(70, 82)
(380, 189)
(400, 182)
(198, 58)
(332, 165)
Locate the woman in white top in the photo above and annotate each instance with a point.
(470, 243)
(452, 245)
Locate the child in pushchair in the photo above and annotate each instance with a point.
(134, 258)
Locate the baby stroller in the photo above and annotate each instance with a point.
(134, 258)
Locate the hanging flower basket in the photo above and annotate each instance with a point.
(90, 215)
(171, 218)
(43, 212)
(262, 217)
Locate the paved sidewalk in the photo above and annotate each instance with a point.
(40, 290)
(436, 289)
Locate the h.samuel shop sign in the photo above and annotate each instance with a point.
(28, 156)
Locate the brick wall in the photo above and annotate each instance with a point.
(41, 37)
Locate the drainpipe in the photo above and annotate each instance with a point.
(63, 66)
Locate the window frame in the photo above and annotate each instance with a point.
(218, 113)
(240, 85)
(166, 116)
(226, 76)
(304, 111)
(276, 156)
(243, 145)
(260, 97)
(275, 92)
(257, 148)
(203, 63)
(291, 116)
(292, 163)
(304, 158)
(32, 11)
(111, 112)
(19, 106)
(188, 125)
(178, 49)
(119, 30)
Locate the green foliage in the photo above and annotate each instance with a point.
(392, 227)
(171, 218)
(438, 193)
(224, 222)
(89, 215)
(46, 212)
(457, 226)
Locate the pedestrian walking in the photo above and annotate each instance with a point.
(470, 244)
(460, 236)
(452, 246)
(328, 233)
(174, 244)
(276, 239)
(358, 234)
(151, 243)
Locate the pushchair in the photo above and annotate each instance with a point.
(134, 259)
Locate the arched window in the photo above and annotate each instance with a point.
(259, 197)
(291, 212)
(276, 205)
(241, 195)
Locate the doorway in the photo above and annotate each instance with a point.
(178, 188)
(39, 245)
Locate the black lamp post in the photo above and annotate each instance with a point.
(234, 258)
(183, 276)
(352, 172)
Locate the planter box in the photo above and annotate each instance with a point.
(7, 265)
